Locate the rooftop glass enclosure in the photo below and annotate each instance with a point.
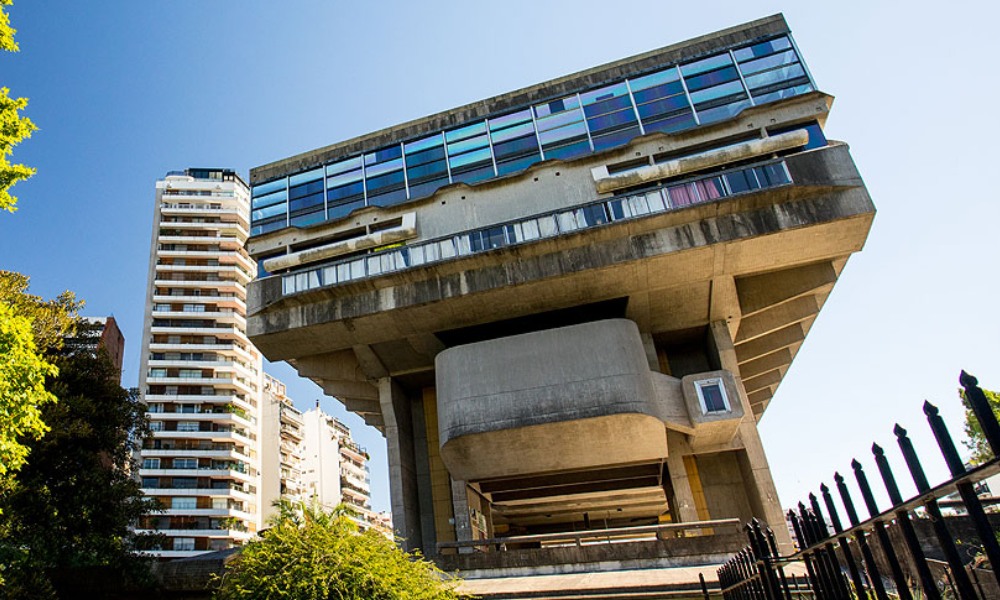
(671, 99)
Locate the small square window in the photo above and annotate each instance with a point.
(712, 396)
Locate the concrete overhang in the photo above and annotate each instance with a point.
(674, 268)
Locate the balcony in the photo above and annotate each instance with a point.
(180, 452)
(230, 301)
(232, 492)
(219, 268)
(224, 436)
(200, 472)
(235, 534)
(221, 316)
(668, 197)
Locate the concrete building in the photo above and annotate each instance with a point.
(281, 449)
(567, 307)
(200, 376)
(335, 468)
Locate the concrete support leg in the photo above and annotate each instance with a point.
(764, 495)
(683, 508)
(402, 466)
(422, 462)
(460, 502)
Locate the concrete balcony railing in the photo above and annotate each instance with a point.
(207, 472)
(665, 198)
(236, 494)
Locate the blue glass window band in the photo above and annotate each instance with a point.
(597, 119)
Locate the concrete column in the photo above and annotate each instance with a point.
(422, 462)
(460, 503)
(402, 466)
(764, 495)
(683, 507)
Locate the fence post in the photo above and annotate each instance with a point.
(874, 576)
(845, 548)
(763, 553)
(947, 543)
(781, 571)
(909, 534)
(840, 586)
(967, 490)
(818, 569)
(902, 587)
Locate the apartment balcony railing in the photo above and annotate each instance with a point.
(665, 198)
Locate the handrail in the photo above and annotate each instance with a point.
(597, 534)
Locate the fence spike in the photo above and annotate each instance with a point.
(912, 460)
(943, 437)
(980, 406)
(866, 490)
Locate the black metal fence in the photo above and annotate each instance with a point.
(882, 557)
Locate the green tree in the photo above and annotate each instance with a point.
(309, 554)
(22, 390)
(14, 128)
(74, 501)
(30, 328)
(976, 441)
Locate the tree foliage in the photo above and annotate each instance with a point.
(51, 320)
(976, 441)
(30, 327)
(22, 390)
(310, 554)
(14, 128)
(73, 502)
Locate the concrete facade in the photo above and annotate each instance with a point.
(586, 343)
(282, 435)
(335, 470)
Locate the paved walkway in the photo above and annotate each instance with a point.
(635, 580)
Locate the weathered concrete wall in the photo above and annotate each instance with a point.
(563, 399)
(589, 370)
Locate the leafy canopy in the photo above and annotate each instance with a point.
(22, 390)
(51, 320)
(308, 554)
(14, 128)
(30, 328)
(976, 442)
(73, 502)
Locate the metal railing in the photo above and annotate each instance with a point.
(610, 535)
(664, 198)
(882, 556)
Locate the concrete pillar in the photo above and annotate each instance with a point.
(463, 524)
(422, 462)
(402, 466)
(683, 507)
(763, 495)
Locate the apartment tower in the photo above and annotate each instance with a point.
(568, 307)
(282, 434)
(335, 468)
(200, 376)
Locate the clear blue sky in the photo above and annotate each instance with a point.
(124, 91)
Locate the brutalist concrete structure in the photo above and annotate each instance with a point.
(568, 307)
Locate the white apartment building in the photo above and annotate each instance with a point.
(282, 435)
(200, 377)
(335, 469)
